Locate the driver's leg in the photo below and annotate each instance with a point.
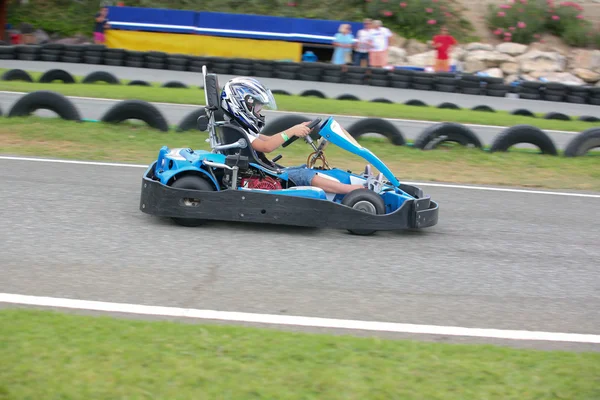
(333, 186)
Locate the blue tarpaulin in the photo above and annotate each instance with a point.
(226, 24)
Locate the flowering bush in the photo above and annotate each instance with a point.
(524, 21)
(419, 19)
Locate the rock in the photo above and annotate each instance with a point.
(510, 79)
(510, 68)
(41, 36)
(458, 53)
(598, 84)
(479, 46)
(539, 46)
(513, 49)
(494, 72)
(561, 77)
(473, 65)
(399, 41)
(535, 55)
(422, 59)
(396, 55)
(587, 75)
(492, 59)
(586, 59)
(415, 47)
(541, 65)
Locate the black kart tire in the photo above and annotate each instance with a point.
(367, 201)
(584, 142)
(436, 134)
(175, 84)
(195, 183)
(377, 125)
(523, 112)
(524, 134)
(101, 76)
(350, 97)
(45, 100)
(313, 93)
(56, 75)
(136, 109)
(448, 106)
(417, 103)
(138, 83)
(587, 118)
(16, 75)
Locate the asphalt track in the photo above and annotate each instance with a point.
(95, 108)
(331, 90)
(497, 259)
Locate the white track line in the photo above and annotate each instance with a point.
(297, 320)
(442, 185)
(416, 121)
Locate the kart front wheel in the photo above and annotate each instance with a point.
(195, 183)
(364, 200)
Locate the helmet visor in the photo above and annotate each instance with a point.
(263, 97)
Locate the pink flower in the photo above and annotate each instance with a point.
(429, 10)
(555, 17)
(580, 16)
(403, 5)
(387, 13)
(507, 34)
(507, 39)
(505, 6)
(523, 1)
(432, 22)
(521, 24)
(512, 28)
(498, 31)
(501, 13)
(447, 14)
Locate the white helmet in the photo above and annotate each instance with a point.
(243, 99)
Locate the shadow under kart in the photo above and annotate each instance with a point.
(233, 182)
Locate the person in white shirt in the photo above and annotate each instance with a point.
(380, 41)
(363, 44)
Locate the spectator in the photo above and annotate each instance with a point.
(380, 36)
(343, 43)
(363, 44)
(443, 43)
(100, 25)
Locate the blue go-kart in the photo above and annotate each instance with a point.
(233, 182)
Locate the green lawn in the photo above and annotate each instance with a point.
(194, 95)
(51, 355)
(136, 143)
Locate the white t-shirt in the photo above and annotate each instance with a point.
(380, 38)
(363, 36)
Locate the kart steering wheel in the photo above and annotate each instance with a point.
(311, 126)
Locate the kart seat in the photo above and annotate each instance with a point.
(231, 133)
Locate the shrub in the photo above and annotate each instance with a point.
(523, 21)
(419, 19)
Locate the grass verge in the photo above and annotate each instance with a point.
(136, 143)
(194, 95)
(47, 354)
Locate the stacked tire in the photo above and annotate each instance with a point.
(401, 78)
(72, 53)
(27, 52)
(595, 96)
(379, 77)
(134, 59)
(155, 59)
(7, 53)
(470, 84)
(554, 91)
(177, 62)
(531, 90)
(577, 94)
(445, 82)
(94, 54)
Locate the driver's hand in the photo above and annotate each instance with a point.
(300, 130)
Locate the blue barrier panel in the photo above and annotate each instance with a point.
(269, 27)
(152, 19)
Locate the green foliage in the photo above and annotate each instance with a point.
(524, 21)
(68, 17)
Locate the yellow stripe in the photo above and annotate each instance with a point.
(200, 45)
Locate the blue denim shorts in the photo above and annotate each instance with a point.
(301, 175)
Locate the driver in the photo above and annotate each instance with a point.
(243, 99)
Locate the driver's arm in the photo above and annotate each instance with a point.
(267, 144)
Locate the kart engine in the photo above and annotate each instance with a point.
(260, 182)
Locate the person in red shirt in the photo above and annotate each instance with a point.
(443, 43)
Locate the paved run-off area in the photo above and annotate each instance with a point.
(497, 259)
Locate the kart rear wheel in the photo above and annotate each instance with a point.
(195, 183)
(364, 200)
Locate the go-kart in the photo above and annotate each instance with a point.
(233, 182)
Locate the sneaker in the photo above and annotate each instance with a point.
(375, 183)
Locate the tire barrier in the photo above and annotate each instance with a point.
(379, 126)
(45, 100)
(102, 76)
(443, 132)
(429, 139)
(586, 118)
(136, 109)
(583, 142)
(56, 75)
(524, 134)
(16, 75)
(307, 71)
